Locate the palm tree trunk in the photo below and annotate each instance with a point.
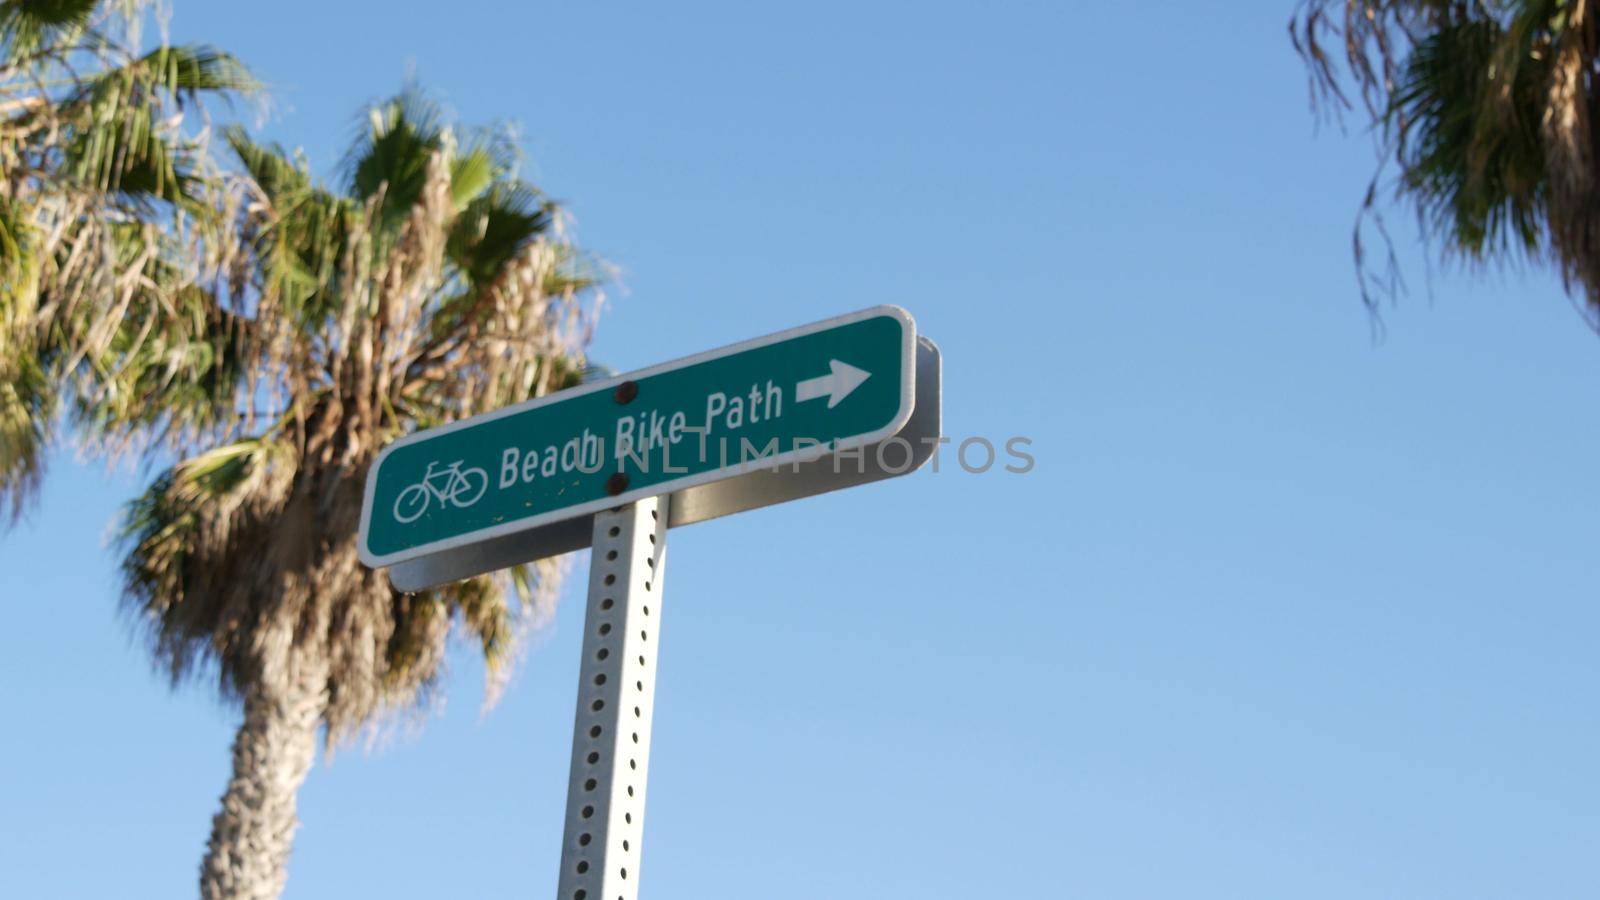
(251, 835)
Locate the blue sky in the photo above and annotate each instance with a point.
(1281, 611)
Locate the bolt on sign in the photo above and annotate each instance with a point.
(816, 408)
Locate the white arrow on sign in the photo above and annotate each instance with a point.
(835, 385)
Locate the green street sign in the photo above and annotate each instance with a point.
(769, 408)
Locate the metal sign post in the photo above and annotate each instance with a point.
(612, 465)
(600, 851)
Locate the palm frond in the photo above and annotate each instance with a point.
(28, 405)
(27, 25)
(298, 233)
(186, 540)
(402, 138)
(190, 70)
(497, 226)
(123, 139)
(269, 166)
(1471, 153)
(1485, 111)
(171, 374)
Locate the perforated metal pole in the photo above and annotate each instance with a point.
(616, 687)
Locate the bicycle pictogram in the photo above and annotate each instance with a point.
(451, 485)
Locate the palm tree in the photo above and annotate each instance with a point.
(105, 198)
(1487, 109)
(433, 284)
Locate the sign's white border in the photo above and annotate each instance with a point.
(908, 355)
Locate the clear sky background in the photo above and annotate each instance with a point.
(1281, 612)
